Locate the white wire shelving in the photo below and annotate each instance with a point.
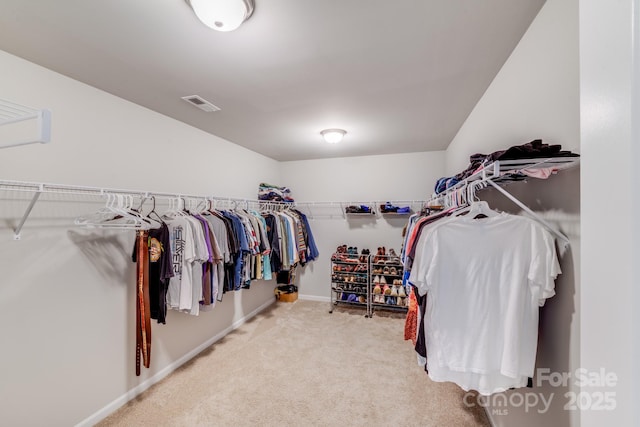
(12, 113)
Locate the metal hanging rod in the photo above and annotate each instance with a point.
(492, 175)
(62, 189)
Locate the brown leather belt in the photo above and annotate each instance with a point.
(143, 320)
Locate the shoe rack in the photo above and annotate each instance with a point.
(350, 274)
(386, 289)
(370, 281)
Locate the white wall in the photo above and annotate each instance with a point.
(67, 305)
(536, 95)
(609, 53)
(358, 179)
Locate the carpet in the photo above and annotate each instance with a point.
(295, 364)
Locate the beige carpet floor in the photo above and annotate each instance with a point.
(295, 364)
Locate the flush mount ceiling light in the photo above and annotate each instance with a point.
(222, 15)
(333, 136)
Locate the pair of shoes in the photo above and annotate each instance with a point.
(393, 257)
(378, 299)
(388, 207)
(380, 255)
(364, 256)
(394, 291)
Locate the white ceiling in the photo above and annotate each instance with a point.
(400, 76)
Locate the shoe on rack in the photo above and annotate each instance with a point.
(401, 291)
(383, 280)
(394, 259)
(377, 290)
(386, 290)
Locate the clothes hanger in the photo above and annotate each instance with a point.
(475, 208)
(117, 213)
(153, 211)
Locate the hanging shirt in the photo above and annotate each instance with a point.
(485, 280)
(160, 270)
(191, 304)
(183, 250)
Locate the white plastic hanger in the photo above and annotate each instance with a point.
(118, 214)
(476, 207)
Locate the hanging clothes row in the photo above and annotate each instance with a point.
(194, 257)
(477, 281)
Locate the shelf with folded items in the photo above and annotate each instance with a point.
(356, 209)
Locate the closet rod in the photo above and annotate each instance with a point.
(49, 188)
(46, 188)
(492, 174)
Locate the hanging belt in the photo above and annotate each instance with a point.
(143, 320)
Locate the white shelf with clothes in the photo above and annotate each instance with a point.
(498, 174)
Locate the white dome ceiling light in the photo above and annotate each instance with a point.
(222, 15)
(333, 136)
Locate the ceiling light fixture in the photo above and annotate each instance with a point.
(222, 15)
(333, 136)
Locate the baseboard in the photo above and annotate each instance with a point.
(117, 403)
(489, 416)
(313, 298)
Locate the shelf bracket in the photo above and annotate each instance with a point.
(34, 199)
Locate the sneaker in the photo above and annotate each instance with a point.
(401, 292)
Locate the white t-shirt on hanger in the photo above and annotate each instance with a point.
(486, 279)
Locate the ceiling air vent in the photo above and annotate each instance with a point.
(201, 103)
